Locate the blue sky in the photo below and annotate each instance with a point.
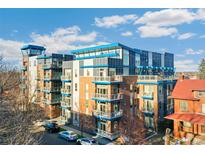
(180, 31)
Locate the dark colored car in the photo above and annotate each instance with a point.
(51, 127)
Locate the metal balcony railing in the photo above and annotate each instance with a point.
(108, 135)
(109, 115)
(65, 104)
(108, 96)
(108, 79)
(65, 77)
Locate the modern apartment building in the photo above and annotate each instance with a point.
(41, 75)
(106, 85)
(29, 68)
(189, 109)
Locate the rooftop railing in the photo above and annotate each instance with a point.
(155, 77)
(108, 78)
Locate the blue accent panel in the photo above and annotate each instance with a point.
(110, 119)
(64, 94)
(66, 80)
(98, 56)
(147, 97)
(149, 114)
(101, 47)
(106, 82)
(147, 82)
(25, 47)
(104, 100)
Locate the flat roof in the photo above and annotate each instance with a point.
(29, 46)
(101, 47)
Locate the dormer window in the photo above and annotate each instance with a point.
(201, 93)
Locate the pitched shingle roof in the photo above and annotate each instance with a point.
(184, 88)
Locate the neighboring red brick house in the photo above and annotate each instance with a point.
(189, 108)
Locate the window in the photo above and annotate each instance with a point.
(203, 108)
(126, 57)
(187, 124)
(76, 73)
(201, 93)
(149, 122)
(76, 87)
(137, 59)
(183, 106)
(203, 129)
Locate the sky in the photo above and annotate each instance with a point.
(179, 31)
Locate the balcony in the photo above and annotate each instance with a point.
(66, 78)
(154, 78)
(51, 102)
(24, 68)
(148, 111)
(148, 95)
(107, 97)
(22, 86)
(66, 91)
(107, 79)
(51, 78)
(51, 89)
(51, 66)
(108, 135)
(65, 105)
(108, 115)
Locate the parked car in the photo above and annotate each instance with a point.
(86, 141)
(68, 135)
(51, 127)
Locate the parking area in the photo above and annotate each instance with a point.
(53, 139)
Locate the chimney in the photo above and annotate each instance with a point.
(181, 77)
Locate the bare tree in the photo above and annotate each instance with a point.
(17, 114)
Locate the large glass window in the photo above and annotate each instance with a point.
(125, 57)
(183, 106)
(203, 108)
(137, 59)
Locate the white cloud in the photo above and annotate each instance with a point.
(154, 31)
(185, 65)
(127, 33)
(10, 49)
(167, 17)
(115, 20)
(186, 36)
(201, 14)
(63, 39)
(194, 52)
(180, 55)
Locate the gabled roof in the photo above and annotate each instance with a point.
(184, 88)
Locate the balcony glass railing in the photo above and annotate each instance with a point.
(53, 101)
(109, 115)
(108, 96)
(108, 135)
(148, 110)
(65, 104)
(65, 90)
(50, 65)
(52, 89)
(108, 79)
(65, 77)
(49, 77)
(155, 77)
(148, 95)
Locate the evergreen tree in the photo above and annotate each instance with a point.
(202, 69)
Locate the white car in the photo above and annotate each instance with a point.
(86, 141)
(68, 135)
